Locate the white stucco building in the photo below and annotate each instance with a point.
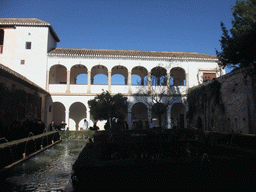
(29, 47)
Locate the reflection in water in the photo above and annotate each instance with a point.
(49, 170)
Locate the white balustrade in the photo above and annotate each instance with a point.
(78, 88)
(98, 88)
(57, 88)
(119, 88)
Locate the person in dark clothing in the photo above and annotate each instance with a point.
(62, 126)
(52, 126)
(95, 127)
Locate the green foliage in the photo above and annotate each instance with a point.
(77, 135)
(205, 93)
(16, 142)
(105, 106)
(239, 49)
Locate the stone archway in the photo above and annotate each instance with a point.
(178, 76)
(58, 74)
(78, 71)
(58, 110)
(140, 72)
(77, 112)
(119, 75)
(178, 115)
(158, 75)
(159, 115)
(139, 116)
(98, 73)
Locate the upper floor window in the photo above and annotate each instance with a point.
(208, 76)
(28, 45)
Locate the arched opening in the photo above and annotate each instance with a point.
(82, 79)
(138, 75)
(77, 112)
(179, 77)
(58, 74)
(118, 79)
(136, 80)
(159, 114)
(158, 76)
(58, 112)
(99, 75)
(139, 116)
(78, 75)
(119, 75)
(178, 115)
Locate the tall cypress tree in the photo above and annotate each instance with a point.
(239, 49)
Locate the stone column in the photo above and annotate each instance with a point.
(89, 82)
(68, 82)
(88, 116)
(47, 80)
(130, 82)
(129, 122)
(149, 115)
(149, 82)
(168, 84)
(187, 84)
(109, 81)
(67, 118)
(169, 121)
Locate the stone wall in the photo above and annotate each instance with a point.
(235, 109)
(20, 100)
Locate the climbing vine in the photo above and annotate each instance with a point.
(202, 94)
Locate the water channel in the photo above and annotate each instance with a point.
(48, 171)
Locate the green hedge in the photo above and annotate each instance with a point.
(77, 135)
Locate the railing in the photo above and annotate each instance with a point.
(78, 88)
(57, 88)
(1, 49)
(119, 88)
(135, 89)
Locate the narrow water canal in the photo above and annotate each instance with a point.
(48, 171)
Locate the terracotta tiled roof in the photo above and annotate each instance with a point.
(6, 71)
(22, 21)
(27, 22)
(128, 53)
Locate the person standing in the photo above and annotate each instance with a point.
(151, 125)
(62, 126)
(52, 126)
(85, 126)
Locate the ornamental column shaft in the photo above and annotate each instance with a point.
(89, 82)
(169, 121)
(149, 82)
(129, 82)
(187, 84)
(168, 84)
(109, 81)
(88, 116)
(129, 118)
(47, 80)
(67, 118)
(68, 82)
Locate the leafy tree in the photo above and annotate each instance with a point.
(105, 106)
(239, 48)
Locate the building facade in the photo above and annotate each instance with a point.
(74, 76)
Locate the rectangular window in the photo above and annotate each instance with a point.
(28, 45)
(208, 76)
(22, 62)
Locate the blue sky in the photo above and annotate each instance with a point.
(152, 25)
